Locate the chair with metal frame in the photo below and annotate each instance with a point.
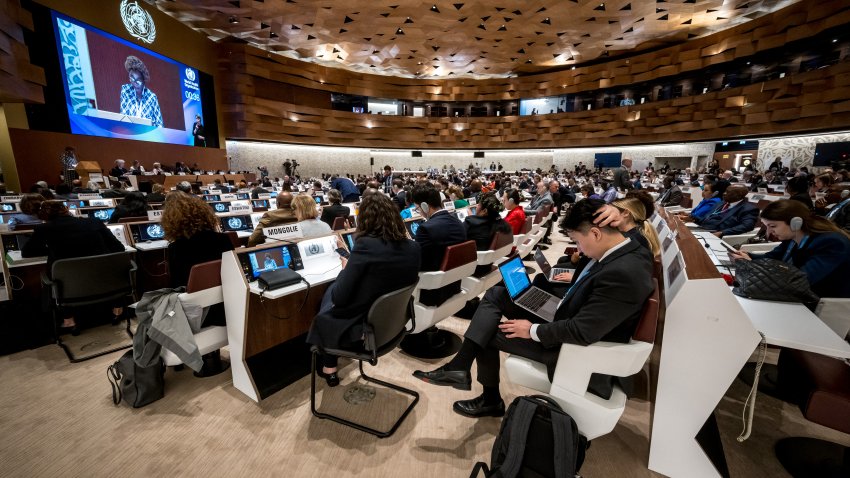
(83, 281)
(383, 330)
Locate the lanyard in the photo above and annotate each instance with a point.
(794, 247)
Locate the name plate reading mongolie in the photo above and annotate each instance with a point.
(285, 232)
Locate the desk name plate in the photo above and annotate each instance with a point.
(285, 232)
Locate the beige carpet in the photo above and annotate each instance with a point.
(57, 419)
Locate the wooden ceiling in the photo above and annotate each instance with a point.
(462, 38)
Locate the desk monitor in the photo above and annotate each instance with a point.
(318, 199)
(256, 262)
(8, 207)
(16, 242)
(74, 204)
(147, 232)
(260, 203)
(102, 214)
(212, 197)
(243, 196)
(413, 226)
(236, 223)
(220, 206)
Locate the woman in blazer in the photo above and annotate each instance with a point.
(382, 260)
(335, 209)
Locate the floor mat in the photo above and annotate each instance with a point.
(97, 341)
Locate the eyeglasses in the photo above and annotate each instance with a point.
(137, 81)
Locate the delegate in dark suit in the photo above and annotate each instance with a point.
(65, 237)
(604, 305)
(738, 219)
(622, 179)
(329, 213)
(375, 268)
(434, 235)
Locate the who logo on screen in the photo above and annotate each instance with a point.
(137, 21)
(190, 74)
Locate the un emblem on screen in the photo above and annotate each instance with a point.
(137, 21)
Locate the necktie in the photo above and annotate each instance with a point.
(577, 280)
(725, 207)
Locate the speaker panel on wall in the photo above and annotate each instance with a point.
(416, 154)
(478, 154)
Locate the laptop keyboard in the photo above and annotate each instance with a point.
(559, 270)
(534, 299)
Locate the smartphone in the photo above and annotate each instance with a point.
(342, 252)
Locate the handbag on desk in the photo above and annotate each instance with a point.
(772, 279)
(278, 278)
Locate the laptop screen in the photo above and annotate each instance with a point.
(545, 267)
(515, 277)
(413, 226)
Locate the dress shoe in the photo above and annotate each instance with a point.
(459, 379)
(547, 241)
(477, 407)
(73, 330)
(331, 378)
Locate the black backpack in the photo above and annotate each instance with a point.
(536, 440)
(138, 386)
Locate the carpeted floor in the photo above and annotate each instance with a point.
(57, 419)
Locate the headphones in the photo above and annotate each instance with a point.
(796, 223)
(424, 207)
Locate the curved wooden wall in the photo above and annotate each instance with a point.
(261, 97)
(20, 81)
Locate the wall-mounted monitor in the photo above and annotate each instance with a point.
(116, 89)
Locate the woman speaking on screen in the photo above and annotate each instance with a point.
(136, 99)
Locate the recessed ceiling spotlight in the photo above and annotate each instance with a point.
(573, 68)
(233, 19)
(835, 40)
(435, 9)
(399, 31)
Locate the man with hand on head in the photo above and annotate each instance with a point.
(603, 304)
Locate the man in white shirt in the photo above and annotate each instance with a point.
(604, 302)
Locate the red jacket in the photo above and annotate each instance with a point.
(516, 218)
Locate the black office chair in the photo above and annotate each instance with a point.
(82, 281)
(383, 330)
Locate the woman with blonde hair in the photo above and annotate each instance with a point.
(192, 229)
(633, 224)
(305, 210)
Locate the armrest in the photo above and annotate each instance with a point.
(576, 363)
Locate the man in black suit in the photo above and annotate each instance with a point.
(398, 194)
(622, 175)
(335, 209)
(439, 231)
(735, 215)
(603, 304)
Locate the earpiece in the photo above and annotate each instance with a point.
(796, 223)
(424, 208)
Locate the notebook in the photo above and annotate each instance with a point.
(523, 294)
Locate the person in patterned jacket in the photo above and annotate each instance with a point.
(136, 99)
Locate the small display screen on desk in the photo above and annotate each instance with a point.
(256, 262)
(7, 207)
(242, 196)
(147, 232)
(659, 227)
(260, 203)
(673, 270)
(236, 223)
(212, 197)
(102, 214)
(220, 206)
(413, 226)
(668, 241)
(349, 240)
(15, 242)
(75, 204)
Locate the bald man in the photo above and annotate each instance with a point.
(622, 175)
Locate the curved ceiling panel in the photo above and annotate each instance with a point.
(462, 38)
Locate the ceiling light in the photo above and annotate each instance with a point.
(573, 68)
(399, 31)
(835, 40)
(233, 20)
(435, 9)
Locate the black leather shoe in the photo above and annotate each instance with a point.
(477, 408)
(547, 241)
(459, 379)
(73, 330)
(331, 378)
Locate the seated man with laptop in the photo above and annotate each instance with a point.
(603, 304)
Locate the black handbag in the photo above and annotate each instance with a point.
(138, 386)
(271, 280)
(772, 279)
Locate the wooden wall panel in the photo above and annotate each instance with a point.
(37, 153)
(20, 81)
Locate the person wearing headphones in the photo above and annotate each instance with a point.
(516, 214)
(811, 243)
(840, 213)
(439, 231)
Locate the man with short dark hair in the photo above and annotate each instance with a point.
(604, 303)
(735, 215)
(387, 180)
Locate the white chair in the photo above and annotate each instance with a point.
(204, 290)
(486, 275)
(594, 416)
(523, 233)
(759, 248)
(425, 341)
(835, 313)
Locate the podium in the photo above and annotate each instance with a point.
(86, 168)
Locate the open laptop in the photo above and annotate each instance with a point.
(547, 268)
(523, 294)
